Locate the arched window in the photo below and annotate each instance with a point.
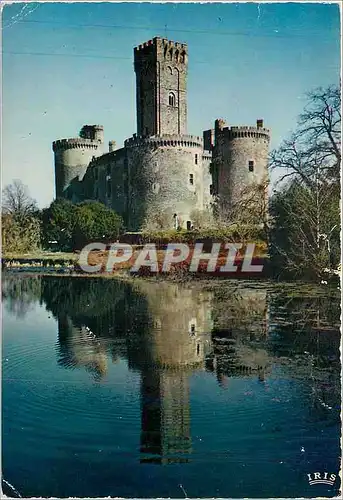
(171, 100)
(169, 70)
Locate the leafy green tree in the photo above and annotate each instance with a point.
(58, 224)
(72, 226)
(20, 236)
(95, 222)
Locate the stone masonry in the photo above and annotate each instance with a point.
(162, 177)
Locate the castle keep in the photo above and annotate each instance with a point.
(162, 177)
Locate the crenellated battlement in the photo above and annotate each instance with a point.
(171, 51)
(207, 156)
(174, 45)
(170, 44)
(185, 141)
(146, 45)
(246, 132)
(175, 52)
(74, 143)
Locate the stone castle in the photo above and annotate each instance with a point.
(162, 177)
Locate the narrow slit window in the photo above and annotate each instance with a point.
(196, 159)
(211, 189)
(109, 189)
(171, 99)
(251, 165)
(191, 179)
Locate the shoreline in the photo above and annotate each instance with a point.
(65, 264)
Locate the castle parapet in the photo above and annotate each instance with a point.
(158, 40)
(221, 129)
(185, 141)
(246, 131)
(93, 132)
(74, 143)
(207, 156)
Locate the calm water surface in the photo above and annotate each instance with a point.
(161, 390)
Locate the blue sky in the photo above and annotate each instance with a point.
(246, 61)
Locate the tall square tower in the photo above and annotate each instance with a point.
(161, 87)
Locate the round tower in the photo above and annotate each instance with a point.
(72, 157)
(240, 160)
(165, 181)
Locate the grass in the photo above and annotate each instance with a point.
(41, 255)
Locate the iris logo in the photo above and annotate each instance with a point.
(321, 478)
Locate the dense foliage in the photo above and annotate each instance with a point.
(71, 226)
(20, 235)
(63, 226)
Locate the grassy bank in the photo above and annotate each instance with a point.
(40, 255)
(62, 262)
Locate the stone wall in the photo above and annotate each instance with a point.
(240, 159)
(163, 180)
(161, 87)
(207, 181)
(72, 157)
(175, 341)
(162, 171)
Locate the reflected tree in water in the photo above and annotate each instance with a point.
(21, 293)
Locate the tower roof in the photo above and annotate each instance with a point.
(157, 40)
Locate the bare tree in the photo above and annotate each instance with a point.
(248, 214)
(17, 201)
(305, 236)
(157, 221)
(201, 219)
(313, 152)
(298, 246)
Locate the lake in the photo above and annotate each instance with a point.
(156, 389)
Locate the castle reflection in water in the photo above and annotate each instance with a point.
(166, 332)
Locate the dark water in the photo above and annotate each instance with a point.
(162, 390)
